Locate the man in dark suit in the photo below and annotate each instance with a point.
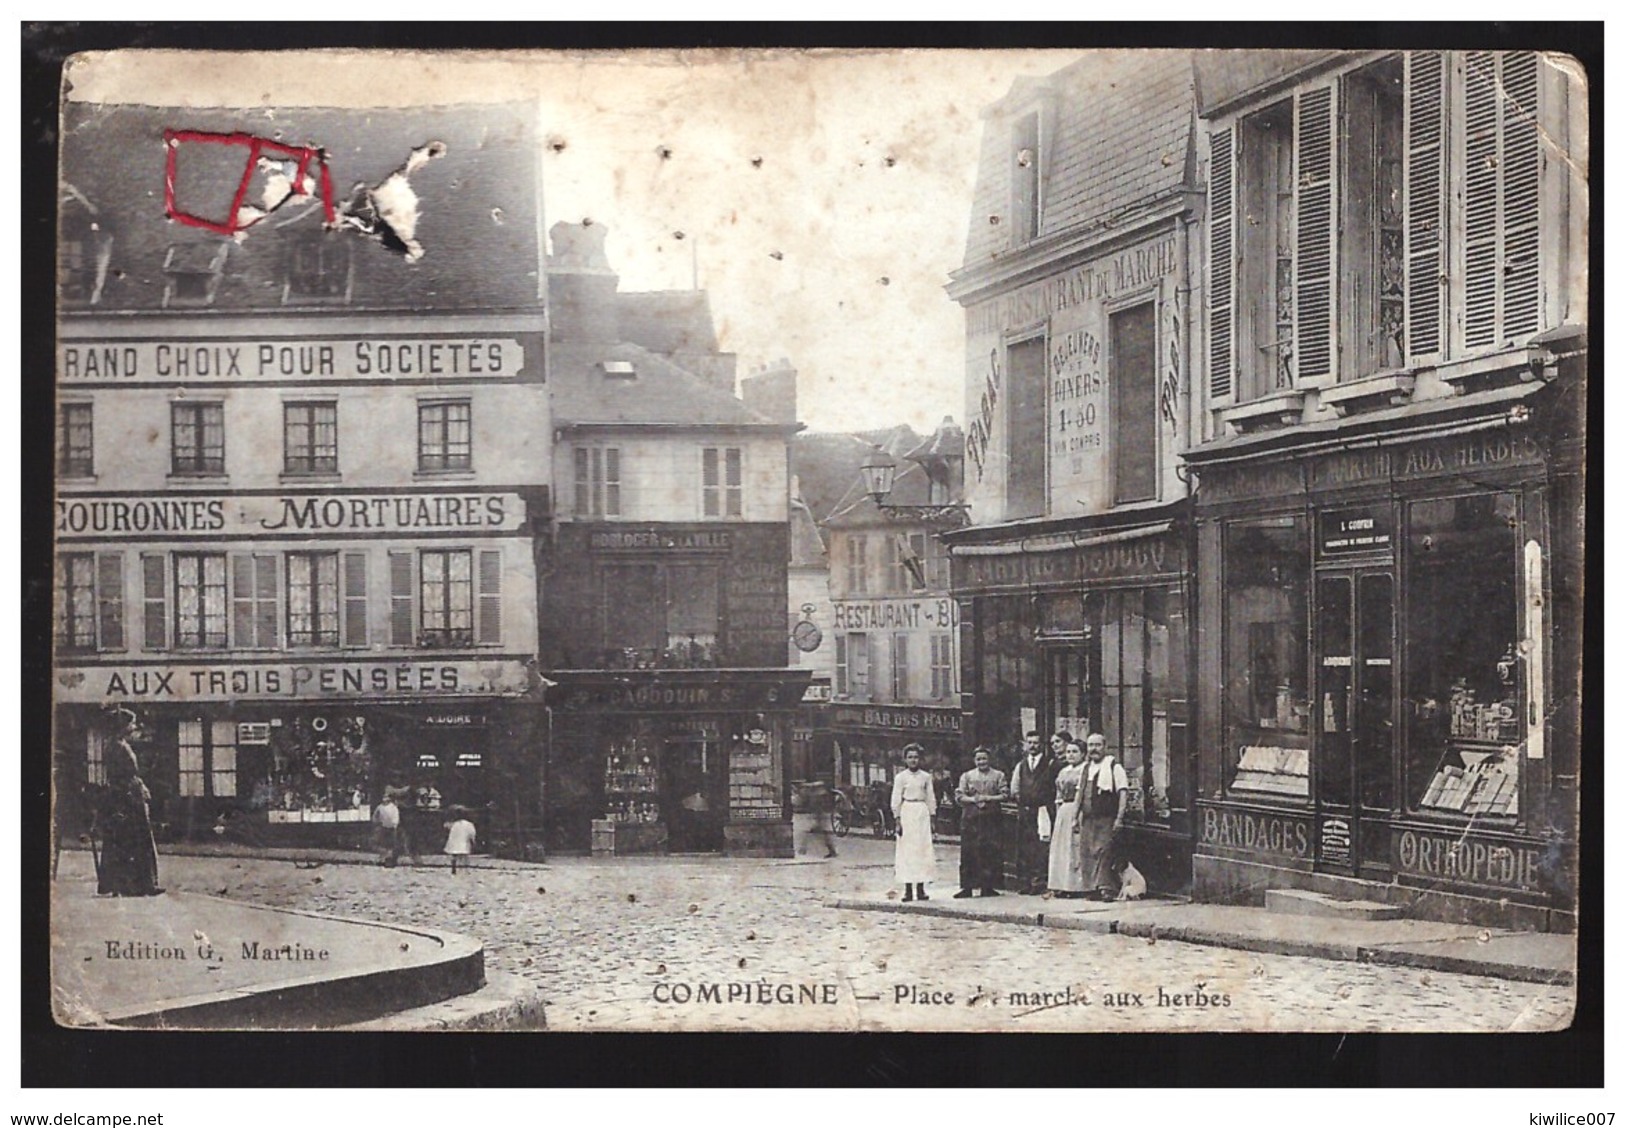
(1032, 787)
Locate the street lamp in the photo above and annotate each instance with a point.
(880, 472)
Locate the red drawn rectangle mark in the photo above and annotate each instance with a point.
(174, 138)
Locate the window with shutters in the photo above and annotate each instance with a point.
(197, 436)
(843, 684)
(253, 602)
(76, 601)
(1389, 218)
(313, 599)
(310, 438)
(401, 600)
(445, 436)
(200, 600)
(598, 481)
(488, 624)
(722, 481)
(857, 564)
(858, 664)
(446, 588)
(154, 602)
(901, 686)
(1371, 310)
(942, 666)
(75, 447)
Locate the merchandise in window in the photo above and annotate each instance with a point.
(1464, 671)
(1266, 656)
(445, 436)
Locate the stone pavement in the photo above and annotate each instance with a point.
(691, 943)
(193, 960)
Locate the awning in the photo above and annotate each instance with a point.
(1062, 542)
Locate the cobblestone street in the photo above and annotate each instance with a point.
(749, 945)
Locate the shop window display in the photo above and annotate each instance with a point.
(1462, 685)
(1266, 657)
(315, 770)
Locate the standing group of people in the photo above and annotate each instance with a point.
(404, 817)
(1070, 800)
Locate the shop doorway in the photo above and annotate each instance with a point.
(697, 798)
(1354, 749)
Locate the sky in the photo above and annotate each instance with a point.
(822, 197)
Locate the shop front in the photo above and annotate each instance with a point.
(869, 743)
(1085, 628)
(283, 754)
(679, 761)
(1377, 669)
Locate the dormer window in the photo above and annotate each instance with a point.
(1025, 189)
(192, 272)
(618, 370)
(318, 268)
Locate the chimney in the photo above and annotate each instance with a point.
(770, 391)
(581, 286)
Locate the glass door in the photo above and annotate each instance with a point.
(1354, 749)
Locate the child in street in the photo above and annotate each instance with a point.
(460, 836)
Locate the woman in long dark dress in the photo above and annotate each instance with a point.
(129, 866)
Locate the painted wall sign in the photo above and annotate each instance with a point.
(1097, 281)
(895, 614)
(656, 696)
(1347, 531)
(1282, 835)
(896, 718)
(1246, 483)
(258, 515)
(1466, 454)
(655, 540)
(154, 685)
(196, 363)
(1148, 556)
(984, 411)
(1463, 858)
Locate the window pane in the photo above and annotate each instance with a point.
(1134, 394)
(1462, 684)
(1266, 696)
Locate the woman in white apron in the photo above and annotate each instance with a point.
(912, 801)
(1066, 876)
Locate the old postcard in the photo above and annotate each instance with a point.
(1067, 540)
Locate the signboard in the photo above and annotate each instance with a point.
(197, 364)
(895, 614)
(1284, 836)
(1345, 532)
(145, 516)
(652, 540)
(1468, 860)
(657, 695)
(1336, 841)
(1148, 556)
(287, 681)
(896, 718)
(1467, 454)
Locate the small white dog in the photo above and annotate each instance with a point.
(1133, 880)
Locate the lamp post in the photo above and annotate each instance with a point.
(880, 472)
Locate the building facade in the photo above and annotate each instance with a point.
(894, 622)
(298, 474)
(665, 589)
(1388, 455)
(1074, 580)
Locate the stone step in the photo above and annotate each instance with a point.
(1305, 902)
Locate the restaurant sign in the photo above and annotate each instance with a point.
(1150, 556)
(239, 360)
(896, 718)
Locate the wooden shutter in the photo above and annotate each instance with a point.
(1520, 194)
(842, 687)
(253, 600)
(488, 622)
(1316, 160)
(355, 599)
(154, 604)
(1425, 206)
(110, 600)
(1221, 265)
(1501, 210)
(400, 599)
